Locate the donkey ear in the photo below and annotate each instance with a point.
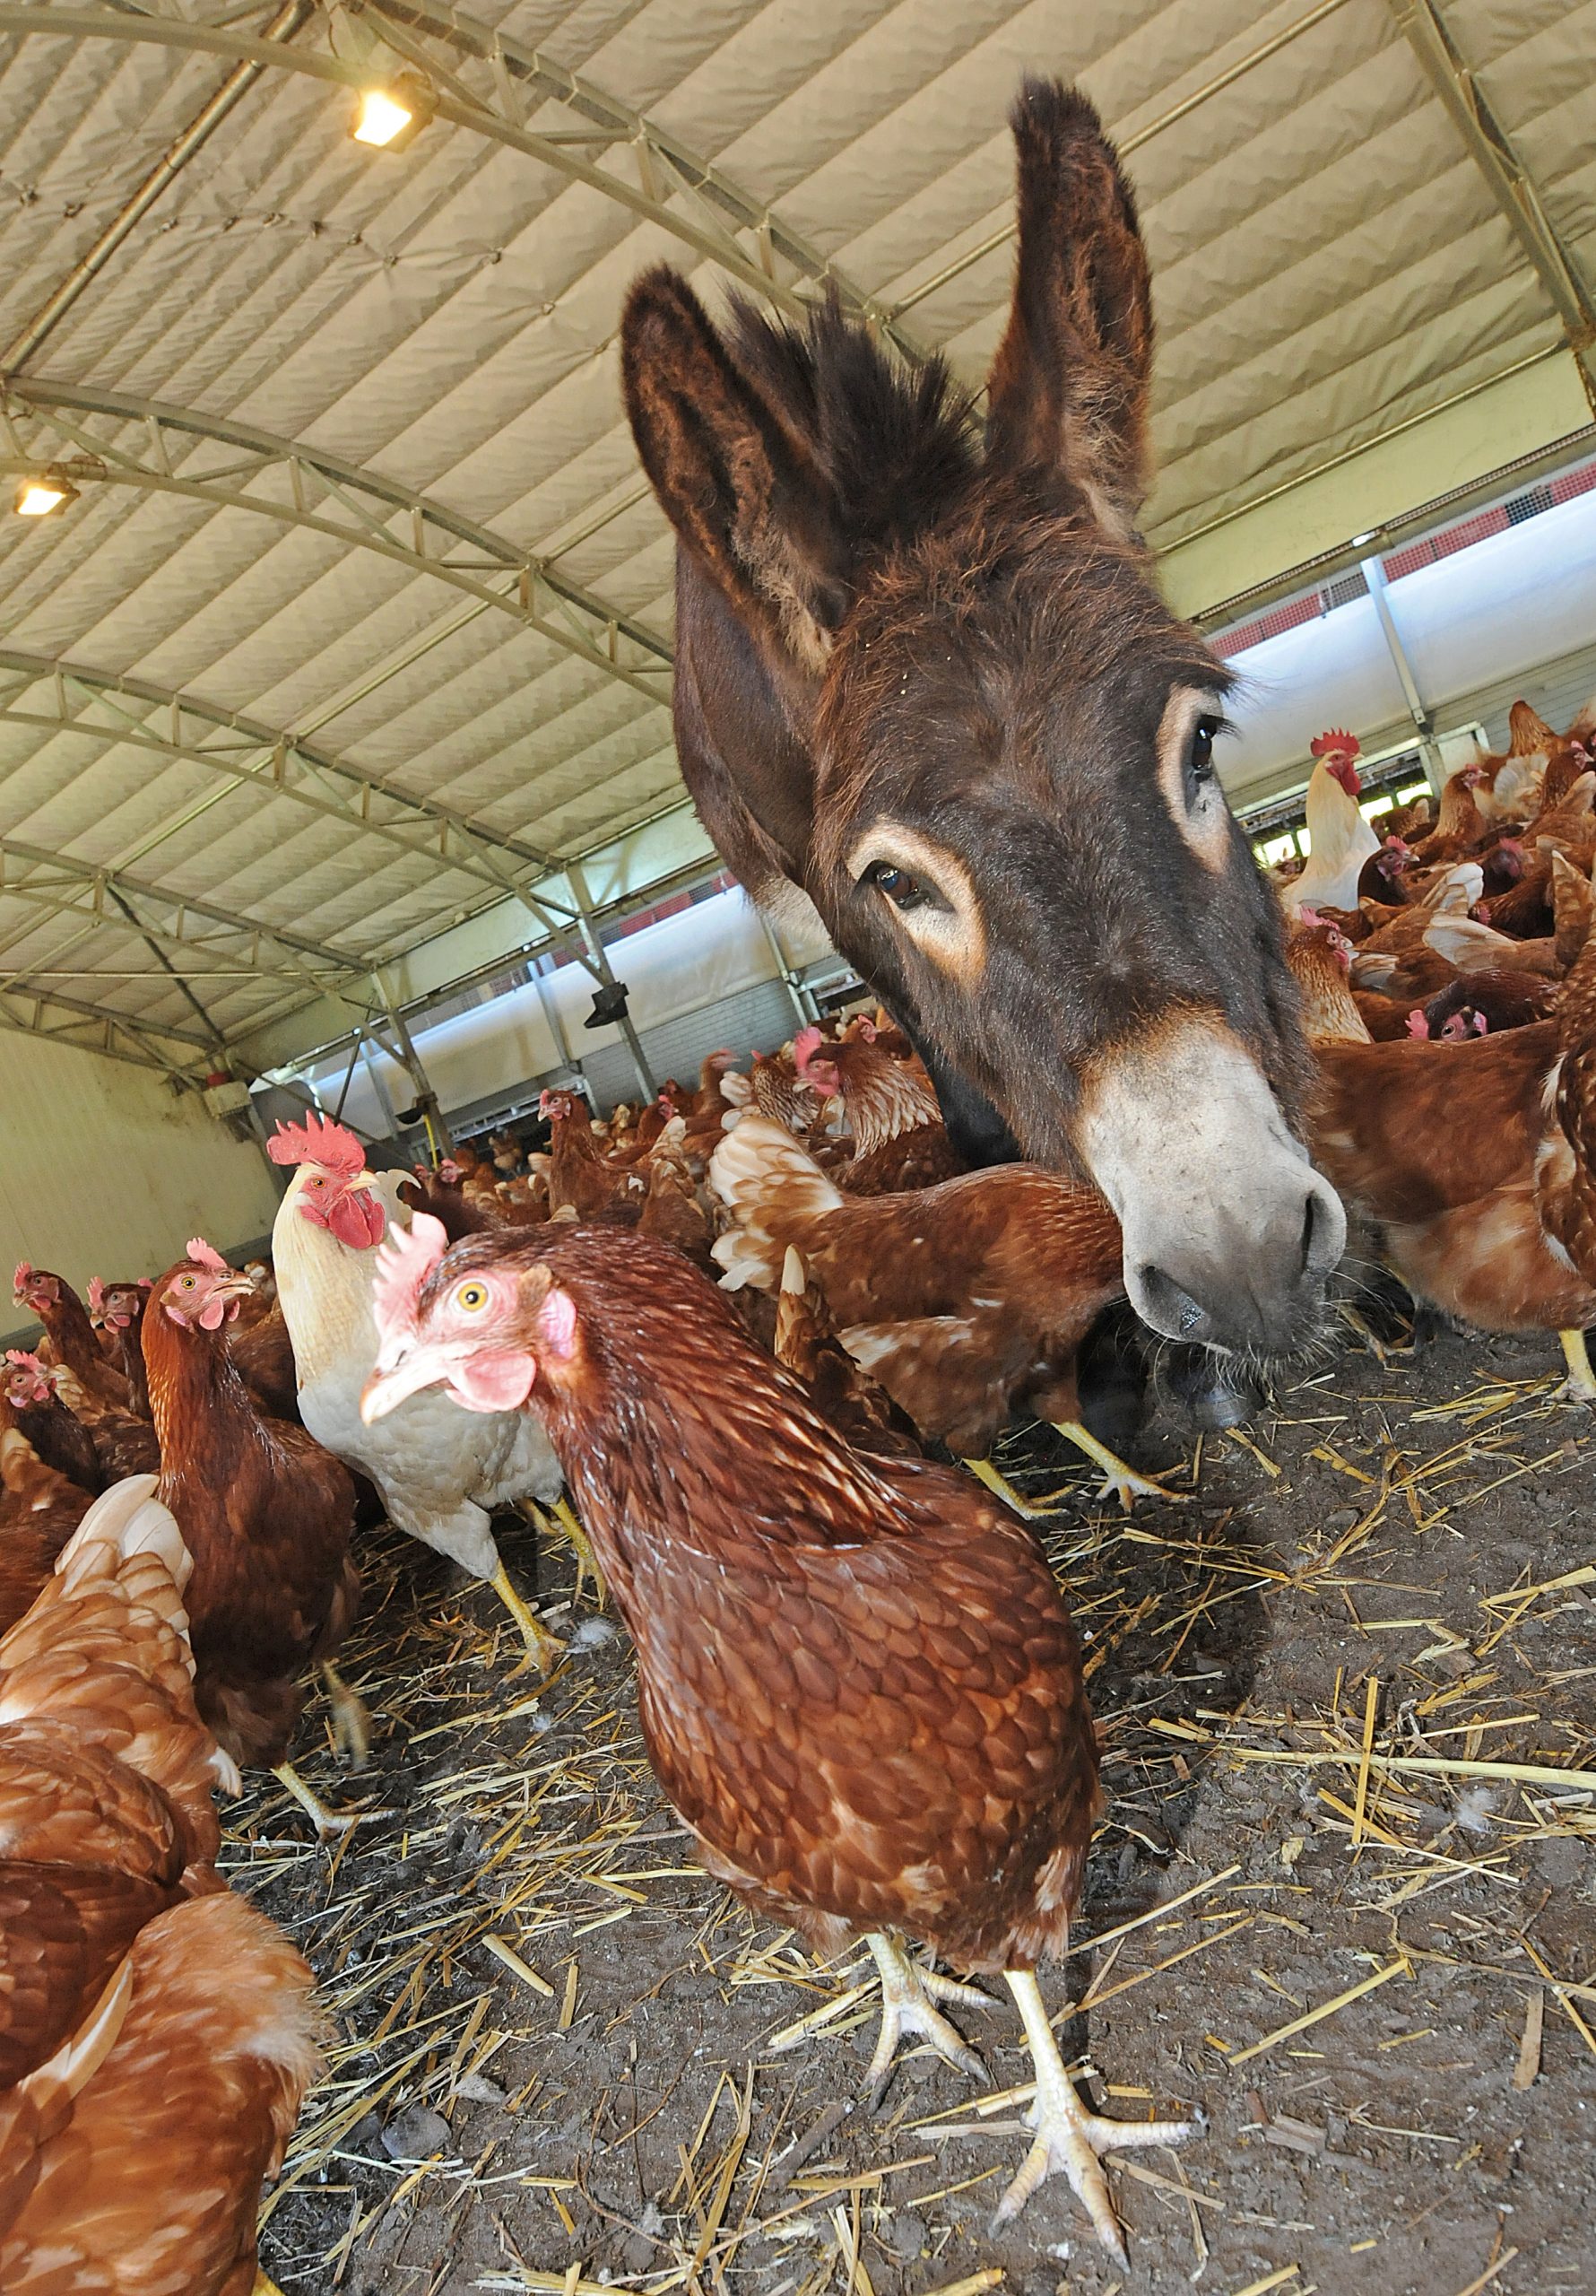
(734, 483)
(1068, 388)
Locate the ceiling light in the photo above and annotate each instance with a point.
(391, 116)
(41, 497)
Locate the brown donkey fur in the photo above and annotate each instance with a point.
(924, 676)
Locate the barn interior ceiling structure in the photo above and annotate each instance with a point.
(350, 627)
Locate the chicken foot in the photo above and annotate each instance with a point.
(1069, 2137)
(263, 2286)
(1119, 1481)
(542, 1647)
(328, 1823)
(1001, 1488)
(582, 1548)
(909, 1995)
(352, 1725)
(1580, 1386)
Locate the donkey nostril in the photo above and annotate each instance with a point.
(1323, 1231)
(1173, 1309)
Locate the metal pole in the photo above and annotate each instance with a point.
(1373, 574)
(601, 965)
(410, 1060)
(800, 996)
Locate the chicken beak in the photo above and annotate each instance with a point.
(384, 1391)
(235, 1287)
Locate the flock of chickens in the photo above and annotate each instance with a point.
(742, 1327)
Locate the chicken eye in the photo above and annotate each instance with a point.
(1200, 759)
(471, 1297)
(186, 1283)
(903, 889)
(316, 1180)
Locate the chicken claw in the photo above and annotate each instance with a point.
(1580, 1386)
(542, 1648)
(909, 1995)
(1119, 1481)
(328, 1823)
(1069, 2137)
(352, 1725)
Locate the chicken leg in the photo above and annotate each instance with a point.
(1119, 1481)
(542, 1647)
(909, 1995)
(352, 1725)
(1580, 1386)
(1001, 1488)
(582, 1548)
(327, 1822)
(1068, 2137)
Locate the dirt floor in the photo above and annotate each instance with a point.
(1344, 1902)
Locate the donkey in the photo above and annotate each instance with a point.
(924, 677)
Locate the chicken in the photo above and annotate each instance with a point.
(1476, 1216)
(123, 1443)
(156, 2033)
(861, 1691)
(1340, 838)
(440, 1475)
(580, 1181)
(58, 1435)
(671, 1211)
(893, 1113)
(804, 1341)
(266, 1513)
(965, 1300)
(1461, 826)
(118, 1309)
(1501, 1000)
(1510, 789)
(39, 1509)
(263, 1355)
(69, 1335)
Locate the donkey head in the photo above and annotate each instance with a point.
(930, 671)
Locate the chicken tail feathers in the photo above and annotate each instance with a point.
(768, 1181)
(126, 1520)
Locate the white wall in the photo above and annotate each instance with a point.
(104, 1172)
(1500, 616)
(683, 962)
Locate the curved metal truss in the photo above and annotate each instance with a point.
(673, 186)
(299, 486)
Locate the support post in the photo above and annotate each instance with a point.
(1373, 574)
(601, 966)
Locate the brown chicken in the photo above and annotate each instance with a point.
(58, 1435)
(39, 1509)
(1483, 1217)
(861, 1691)
(69, 1335)
(804, 1341)
(123, 1443)
(156, 2033)
(967, 1301)
(580, 1181)
(267, 1515)
(893, 1113)
(116, 1311)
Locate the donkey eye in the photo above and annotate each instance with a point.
(1200, 761)
(903, 889)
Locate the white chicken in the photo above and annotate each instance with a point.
(440, 1470)
(1340, 839)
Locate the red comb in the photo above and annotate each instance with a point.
(318, 1141)
(207, 1255)
(96, 1294)
(1336, 740)
(805, 1045)
(406, 1259)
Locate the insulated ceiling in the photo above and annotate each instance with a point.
(363, 613)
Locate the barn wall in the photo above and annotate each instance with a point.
(104, 1172)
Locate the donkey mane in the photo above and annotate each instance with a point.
(894, 445)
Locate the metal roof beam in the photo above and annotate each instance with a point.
(88, 1028)
(1512, 185)
(675, 189)
(322, 495)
